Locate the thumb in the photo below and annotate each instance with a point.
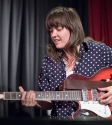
(21, 89)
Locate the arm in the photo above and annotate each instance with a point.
(46, 105)
(29, 100)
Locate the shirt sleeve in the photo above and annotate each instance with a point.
(43, 77)
(106, 54)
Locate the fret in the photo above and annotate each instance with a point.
(66, 95)
(57, 95)
(7, 95)
(72, 95)
(51, 97)
(43, 95)
(38, 95)
(69, 95)
(62, 95)
(47, 95)
(12, 95)
(18, 95)
(78, 95)
(75, 95)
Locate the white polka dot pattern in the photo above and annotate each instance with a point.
(96, 56)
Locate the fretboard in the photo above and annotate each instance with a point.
(47, 95)
(76, 95)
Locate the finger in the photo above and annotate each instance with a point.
(29, 101)
(29, 95)
(106, 101)
(103, 89)
(110, 103)
(104, 96)
(21, 89)
(32, 101)
(23, 102)
(34, 96)
(23, 95)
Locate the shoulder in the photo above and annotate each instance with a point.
(96, 45)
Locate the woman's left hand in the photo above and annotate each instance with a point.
(106, 98)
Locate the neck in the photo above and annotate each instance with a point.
(68, 55)
(70, 60)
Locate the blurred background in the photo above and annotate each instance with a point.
(23, 39)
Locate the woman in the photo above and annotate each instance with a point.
(70, 52)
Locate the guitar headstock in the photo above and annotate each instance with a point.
(1, 96)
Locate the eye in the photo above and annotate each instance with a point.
(59, 28)
(51, 30)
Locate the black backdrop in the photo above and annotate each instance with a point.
(22, 46)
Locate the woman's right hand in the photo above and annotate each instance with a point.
(28, 98)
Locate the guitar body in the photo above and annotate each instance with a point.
(102, 78)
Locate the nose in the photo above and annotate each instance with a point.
(54, 33)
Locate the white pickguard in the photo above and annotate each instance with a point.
(100, 110)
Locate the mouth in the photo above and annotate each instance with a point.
(56, 41)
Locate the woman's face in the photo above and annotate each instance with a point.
(60, 36)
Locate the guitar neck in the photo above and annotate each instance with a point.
(48, 95)
(74, 82)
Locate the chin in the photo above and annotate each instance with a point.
(59, 47)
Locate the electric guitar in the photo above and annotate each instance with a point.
(78, 88)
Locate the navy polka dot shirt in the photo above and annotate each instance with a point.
(94, 56)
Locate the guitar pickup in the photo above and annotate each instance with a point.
(94, 95)
(85, 95)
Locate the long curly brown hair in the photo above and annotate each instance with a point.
(68, 18)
